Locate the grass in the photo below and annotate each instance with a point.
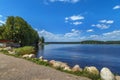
(39, 62)
(25, 50)
(82, 73)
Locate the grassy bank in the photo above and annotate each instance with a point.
(28, 50)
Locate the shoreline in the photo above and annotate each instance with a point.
(91, 71)
(84, 54)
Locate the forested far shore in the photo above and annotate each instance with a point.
(86, 42)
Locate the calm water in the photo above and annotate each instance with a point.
(84, 55)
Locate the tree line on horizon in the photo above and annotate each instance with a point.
(99, 42)
(86, 42)
(19, 31)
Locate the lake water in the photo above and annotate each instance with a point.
(84, 55)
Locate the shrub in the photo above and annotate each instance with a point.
(25, 50)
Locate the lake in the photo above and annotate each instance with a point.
(84, 55)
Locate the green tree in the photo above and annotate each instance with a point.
(19, 31)
(1, 31)
(42, 40)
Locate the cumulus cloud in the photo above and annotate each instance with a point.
(101, 26)
(68, 1)
(90, 30)
(113, 35)
(77, 23)
(1, 20)
(73, 35)
(75, 19)
(76, 35)
(107, 21)
(116, 7)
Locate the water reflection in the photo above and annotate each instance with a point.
(40, 51)
(84, 55)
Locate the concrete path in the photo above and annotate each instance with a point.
(12, 68)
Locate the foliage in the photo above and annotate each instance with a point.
(86, 42)
(19, 31)
(42, 40)
(91, 76)
(99, 42)
(25, 50)
(1, 31)
(92, 42)
(82, 73)
(38, 61)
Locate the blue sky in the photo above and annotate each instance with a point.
(67, 20)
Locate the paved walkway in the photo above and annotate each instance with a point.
(12, 68)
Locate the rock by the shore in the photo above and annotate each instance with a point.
(41, 58)
(76, 68)
(106, 74)
(63, 65)
(67, 68)
(29, 56)
(45, 60)
(117, 77)
(11, 52)
(92, 70)
(25, 56)
(7, 48)
(58, 64)
(32, 56)
(51, 62)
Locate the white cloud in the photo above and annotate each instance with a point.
(68, 1)
(113, 35)
(73, 35)
(110, 22)
(77, 23)
(66, 18)
(101, 26)
(76, 35)
(90, 30)
(2, 22)
(75, 19)
(116, 7)
(107, 21)
(94, 37)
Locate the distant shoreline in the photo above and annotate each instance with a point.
(86, 42)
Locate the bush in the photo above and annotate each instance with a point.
(25, 50)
